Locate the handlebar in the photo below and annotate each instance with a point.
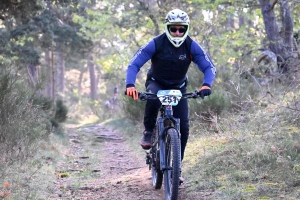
(148, 95)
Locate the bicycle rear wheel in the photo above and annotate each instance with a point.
(173, 163)
(157, 175)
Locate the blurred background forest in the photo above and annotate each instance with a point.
(62, 60)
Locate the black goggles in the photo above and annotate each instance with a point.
(174, 30)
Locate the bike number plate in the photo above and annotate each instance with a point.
(169, 97)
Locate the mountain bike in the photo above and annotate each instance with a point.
(164, 157)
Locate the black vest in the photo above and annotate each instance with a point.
(170, 64)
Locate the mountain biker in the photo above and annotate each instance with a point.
(171, 54)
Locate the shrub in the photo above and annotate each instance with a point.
(216, 102)
(44, 102)
(61, 112)
(22, 123)
(134, 110)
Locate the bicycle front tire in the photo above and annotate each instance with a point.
(173, 163)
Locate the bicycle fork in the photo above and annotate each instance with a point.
(162, 137)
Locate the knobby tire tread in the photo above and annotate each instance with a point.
(171, 177)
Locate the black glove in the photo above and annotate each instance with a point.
(204, 90)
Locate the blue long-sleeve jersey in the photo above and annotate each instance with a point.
(146, 52)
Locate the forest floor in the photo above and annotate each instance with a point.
(100, 164)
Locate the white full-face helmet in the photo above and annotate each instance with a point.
(180, 18)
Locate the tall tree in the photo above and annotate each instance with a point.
(272, 30)
(281, 41)
(93, 82)
(287, 26)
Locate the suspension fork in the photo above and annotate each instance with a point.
(169, 115)
(162, 137)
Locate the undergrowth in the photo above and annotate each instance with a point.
(248, 155)
(244, 140)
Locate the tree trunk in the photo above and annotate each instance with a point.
(276, 44)
(60, 74)
(230, 23)
(161, 3)
(32, 75)
(288, 26)
(241, 20)
(93, 85)
(80, 82)
(150, 7)
(53, 77)
(48, 87)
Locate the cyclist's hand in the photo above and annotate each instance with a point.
(132, 92)
(204, 90)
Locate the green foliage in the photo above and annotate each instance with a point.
(251, 154)
(237, 89)
(134, 110)
(216, 102)
(22, 123)
(112, 31)
(18, 13)
(61, 113)
(44, 102)
(41, 31)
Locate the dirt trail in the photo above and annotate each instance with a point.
(101, 166)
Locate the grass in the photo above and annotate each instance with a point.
(33, 179)
(255, 156)
(252, 154)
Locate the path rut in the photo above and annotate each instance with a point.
(100, 165)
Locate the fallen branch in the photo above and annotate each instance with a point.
(107, 137)
(127, 169)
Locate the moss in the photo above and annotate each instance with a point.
(64, 175)
(263, 198)
(249, 188)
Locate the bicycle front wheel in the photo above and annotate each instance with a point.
(173, 163)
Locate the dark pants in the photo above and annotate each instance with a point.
(180, 111)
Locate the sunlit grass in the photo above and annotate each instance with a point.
(252, 153)
(255, 155)
(202, 147)
(245, 155)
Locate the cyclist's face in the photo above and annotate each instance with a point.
(177, 31)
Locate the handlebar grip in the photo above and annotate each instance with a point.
(125, 92)
(142, 96)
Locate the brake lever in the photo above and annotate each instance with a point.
(142, 96)
(195, 94)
